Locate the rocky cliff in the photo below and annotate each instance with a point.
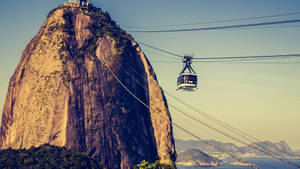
(63, 92)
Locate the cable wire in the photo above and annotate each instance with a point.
(217, 27)
(217, 21)
(251, 57)
(239, 58)
(242, 62)
(161, 50)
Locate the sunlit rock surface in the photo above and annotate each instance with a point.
(63, 93)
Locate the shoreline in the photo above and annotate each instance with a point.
(194, 164)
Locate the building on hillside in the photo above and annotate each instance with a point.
(78, 3)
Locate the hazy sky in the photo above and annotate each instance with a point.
(262, 99)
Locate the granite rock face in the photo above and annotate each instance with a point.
(64, 92)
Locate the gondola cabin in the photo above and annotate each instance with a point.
(187, 79)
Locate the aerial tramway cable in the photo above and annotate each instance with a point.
(161, 50)
(218, 27)
(251, 57)
(216, 21)
(237, 58)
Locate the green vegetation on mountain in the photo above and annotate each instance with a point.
(156, 165)
(46, 156)
(52, 157)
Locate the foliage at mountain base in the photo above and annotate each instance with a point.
(156, 165)
(46, 157)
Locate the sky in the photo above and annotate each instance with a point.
(260, 98)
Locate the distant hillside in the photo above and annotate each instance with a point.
(193, 157)
(46, 156)
(280, 148)
(203, 146)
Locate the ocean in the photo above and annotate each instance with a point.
(262, 163)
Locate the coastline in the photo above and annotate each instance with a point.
(262, 163)
(197, 163)
(242, 163)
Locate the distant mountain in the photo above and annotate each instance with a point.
(281, 148)
(195, 157)
(206, 146)
(212, 146)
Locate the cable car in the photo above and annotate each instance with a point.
(187, 79)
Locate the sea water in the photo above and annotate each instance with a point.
(262, 163)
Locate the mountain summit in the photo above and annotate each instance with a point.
(66, 91)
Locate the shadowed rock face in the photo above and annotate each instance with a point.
(63, 93)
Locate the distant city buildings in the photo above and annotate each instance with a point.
(78, 3)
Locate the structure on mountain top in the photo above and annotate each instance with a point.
(78, 3)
